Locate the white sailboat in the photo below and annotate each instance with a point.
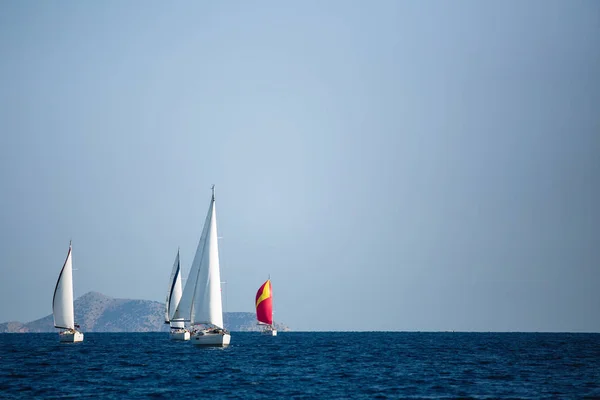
(62, 303)
(201, 302)
(178, 331)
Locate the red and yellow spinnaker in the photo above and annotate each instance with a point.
(264, 304)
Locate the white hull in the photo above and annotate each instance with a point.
(179, 335)
(70, 337)
(270, 332)
(208, 338)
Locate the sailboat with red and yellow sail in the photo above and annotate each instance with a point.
(264, 308)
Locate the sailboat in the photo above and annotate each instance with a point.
(264, 308)
(201, 303)
(62, 303)
(178, 331)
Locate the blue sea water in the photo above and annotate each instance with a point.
(303, 365)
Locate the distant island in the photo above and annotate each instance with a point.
(95, 312)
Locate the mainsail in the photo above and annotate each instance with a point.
(264, 304)
(174, 295)
(62, 302)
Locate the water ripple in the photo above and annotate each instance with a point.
(303, 365)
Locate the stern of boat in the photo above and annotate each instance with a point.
(180, 335)
(70, 336)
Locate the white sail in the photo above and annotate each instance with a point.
(207, 307)
(183, 310)
(62, 303)
(174, 294)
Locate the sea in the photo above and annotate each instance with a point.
(303, 365)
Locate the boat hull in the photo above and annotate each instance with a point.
(270, 332)
(207, 338)
(180, 335)
(70, 337)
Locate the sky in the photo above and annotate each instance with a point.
(392, 165)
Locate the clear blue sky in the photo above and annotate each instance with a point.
(423, 165)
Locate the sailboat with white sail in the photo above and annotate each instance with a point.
(264, 308)
(62, 303)
(178, 330)
(201, 302)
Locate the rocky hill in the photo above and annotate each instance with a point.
(95, 312)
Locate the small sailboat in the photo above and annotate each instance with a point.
(201, 303)
(178, 331)
(62, 303)
(264, 308)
